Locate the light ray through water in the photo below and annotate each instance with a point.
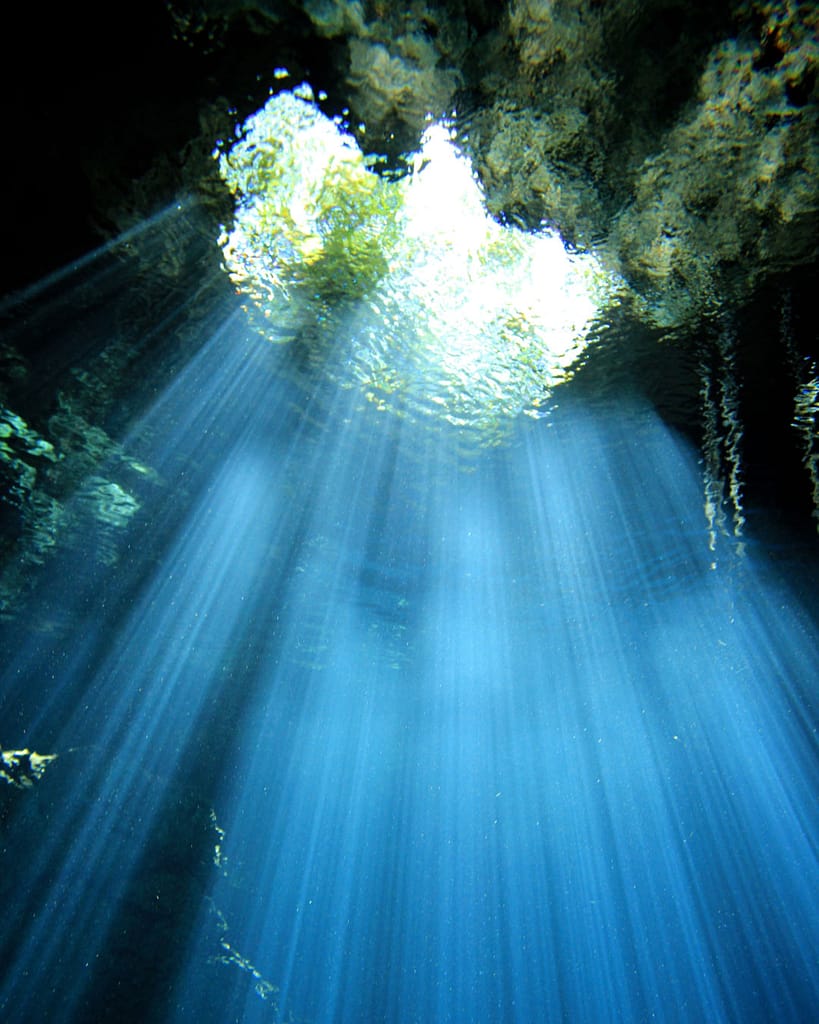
(489, 738)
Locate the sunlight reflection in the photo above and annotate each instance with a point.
(455, 315)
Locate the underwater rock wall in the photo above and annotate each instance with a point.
(731, 196)
(80, 357)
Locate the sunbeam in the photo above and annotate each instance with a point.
(358, 720)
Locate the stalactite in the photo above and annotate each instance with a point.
(722, 439)
(805, 401)
(712, 477)
(732, 425)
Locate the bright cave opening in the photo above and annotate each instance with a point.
(435, 308)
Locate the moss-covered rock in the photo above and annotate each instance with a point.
(732, 195)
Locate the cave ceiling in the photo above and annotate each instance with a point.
(678, 140)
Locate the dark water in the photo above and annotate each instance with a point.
(356, 722)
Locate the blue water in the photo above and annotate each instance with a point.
(492, 736)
